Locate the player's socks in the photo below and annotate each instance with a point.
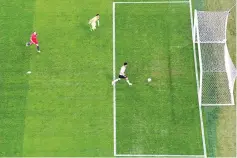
(38, 48)
(129, 82)
(114, 81)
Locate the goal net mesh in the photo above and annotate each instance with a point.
(217, 71)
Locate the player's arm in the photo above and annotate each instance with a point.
(98, 22)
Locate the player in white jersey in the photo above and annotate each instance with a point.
(122, 75)
(93, 22)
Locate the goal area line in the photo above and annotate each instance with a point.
(150, 155)
(160, 2)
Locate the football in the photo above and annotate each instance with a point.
(149, 79)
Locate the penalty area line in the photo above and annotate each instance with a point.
(197, 82)
(114, 86)
(138, 155)
(158, 2)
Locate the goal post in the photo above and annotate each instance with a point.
(217, 73)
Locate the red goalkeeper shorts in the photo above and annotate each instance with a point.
(33, 42)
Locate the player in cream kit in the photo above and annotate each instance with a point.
(93, 22)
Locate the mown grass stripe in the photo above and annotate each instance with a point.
(16, 19)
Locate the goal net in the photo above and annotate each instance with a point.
(217, 72)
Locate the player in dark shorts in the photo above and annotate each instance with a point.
(122, 75)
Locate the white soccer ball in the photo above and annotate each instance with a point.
(29, 72)
(149, 79)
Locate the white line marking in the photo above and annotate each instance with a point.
(236, 84)
(131, 155)
(199, 106)
(161, 2)
(114, 88)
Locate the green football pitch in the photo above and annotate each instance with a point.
(161, 117)
(67, 105)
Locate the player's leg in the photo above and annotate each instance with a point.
(93, 26)
(118, 79)
(128, 81)
(28, 43)
(37, 47)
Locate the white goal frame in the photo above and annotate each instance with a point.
(196, 40)
(114, 87)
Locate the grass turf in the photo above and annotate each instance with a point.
(161, 117)
(16, 16)
(64, 108)
(76, 119)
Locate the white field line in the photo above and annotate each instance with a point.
(161, 2)
(114, 88)
(236, 84)
(196, 71)
(131, 155)
(199, 106)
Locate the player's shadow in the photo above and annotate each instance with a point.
(84, 26)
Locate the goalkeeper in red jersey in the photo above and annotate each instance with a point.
(33, 40)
